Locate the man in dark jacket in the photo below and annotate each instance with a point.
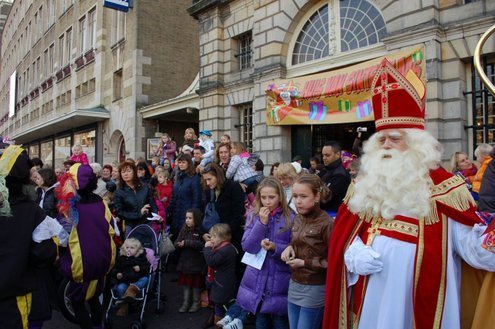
(486, 201)
(20, 255)
(334, 175)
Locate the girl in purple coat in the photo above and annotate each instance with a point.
(264, 292)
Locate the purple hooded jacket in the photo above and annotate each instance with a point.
(269, 285)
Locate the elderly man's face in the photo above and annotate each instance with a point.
(392, 139)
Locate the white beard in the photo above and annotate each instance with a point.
(392, 183)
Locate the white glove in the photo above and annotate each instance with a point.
(361, 259)
(49, 228)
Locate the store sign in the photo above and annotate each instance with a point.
(122, 5)
(338, 96)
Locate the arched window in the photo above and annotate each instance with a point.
(360, 25)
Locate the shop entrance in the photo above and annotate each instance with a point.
(308, 140)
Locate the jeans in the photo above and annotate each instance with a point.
(267, 321)
(305, 317)
(120, 289)
(235, 311)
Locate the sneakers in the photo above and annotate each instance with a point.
(226, 319)
(234, 324)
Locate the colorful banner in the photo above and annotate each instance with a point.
(337, 96)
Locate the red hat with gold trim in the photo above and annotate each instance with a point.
(398, 100)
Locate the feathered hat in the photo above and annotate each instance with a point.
(77, 178)
(398, 100)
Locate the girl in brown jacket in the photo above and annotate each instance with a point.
(307, 253)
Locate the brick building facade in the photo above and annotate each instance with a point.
(82, 71)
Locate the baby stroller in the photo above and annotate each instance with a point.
(150, 241)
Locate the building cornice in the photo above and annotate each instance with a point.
(201, 6)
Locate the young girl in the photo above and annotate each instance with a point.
(264, 292)
(307, 253)
(190, 137)
(78, 156)
(167, 149)
(191, 265)
(164, 188)
(225, 139)
(131, 271)
(220, 256)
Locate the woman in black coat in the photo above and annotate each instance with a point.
(133, 200)
(229, 200)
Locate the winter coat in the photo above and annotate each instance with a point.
(128, 203)
(186, 194)
(223, 263)
(20, 255)
(230, 207)
(268, 286)
(310, 236)
(125, 266)
(49, 203)
(337, 179)
(486, 201)
(191, 259)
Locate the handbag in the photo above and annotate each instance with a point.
(211, 215)
(166, 245)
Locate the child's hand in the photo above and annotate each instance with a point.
(180, 244)
(208, 244)
(264, 214)
(288, 254)
(206, 237)
(119, 276)
(267, 245)
(295, 263)
(136, 268)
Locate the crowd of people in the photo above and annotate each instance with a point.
(374, 239)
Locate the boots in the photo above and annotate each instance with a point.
(195, 300)
(187, 299)
(122, 309)
(131, 293)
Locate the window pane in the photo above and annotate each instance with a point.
(46, 153)
(87, 140)
(313, 39)
(361, 24)
(62, 150)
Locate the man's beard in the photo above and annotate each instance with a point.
(392, 183)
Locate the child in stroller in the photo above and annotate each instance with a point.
(131, 272)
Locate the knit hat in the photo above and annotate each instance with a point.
(398, 100)
(206, 133)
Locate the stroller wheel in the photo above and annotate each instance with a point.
(159, 310)
(107, 323)
(137, 325)
(64, 302)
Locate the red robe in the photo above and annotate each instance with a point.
(450, 199)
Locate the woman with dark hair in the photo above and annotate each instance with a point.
(133, 200)
(91, 252)
(186, 193)
(47, 182)
(228, 197)
(143, 172)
